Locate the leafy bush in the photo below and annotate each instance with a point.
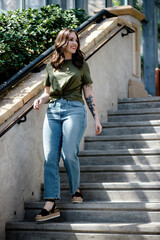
(138, 5)
(25, 35)
(116, 3)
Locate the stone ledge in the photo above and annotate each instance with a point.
(126, 10)
(93, 227)
(20, 95)
(9, 107)
(136, 90)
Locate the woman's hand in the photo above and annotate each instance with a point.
(44, 98)
(37, 103)
(98, 127)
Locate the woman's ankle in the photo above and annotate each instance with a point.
(49, 204)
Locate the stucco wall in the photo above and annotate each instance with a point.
(111, 68)
(21, 164)
(21, 161)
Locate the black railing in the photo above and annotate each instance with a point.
(22, 117)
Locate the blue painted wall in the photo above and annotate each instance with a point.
(150, 46)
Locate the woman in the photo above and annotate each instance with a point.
(65, 122)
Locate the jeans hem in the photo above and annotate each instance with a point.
(47, 198)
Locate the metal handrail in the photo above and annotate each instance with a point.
(39, 61)
(16, 120)
(23, 115)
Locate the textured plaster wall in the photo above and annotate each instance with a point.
(111, 68)
(21, 164)
(21, 150)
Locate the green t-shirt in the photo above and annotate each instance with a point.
(67, 82)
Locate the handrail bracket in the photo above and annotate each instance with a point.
(129, 30)
(24, 119)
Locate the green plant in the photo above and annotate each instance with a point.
(138, 5)
(25, 34)
(116, 3)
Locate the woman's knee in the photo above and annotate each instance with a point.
(70, 157)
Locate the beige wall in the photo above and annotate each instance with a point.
(111, 68)
(21, 164)
(21, 160)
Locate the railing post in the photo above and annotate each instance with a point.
(2, 5)
(108, 3)
(157, 78)
(82, 4)
(130, 2)
(150, 46)
(63, 4)
(23, 4)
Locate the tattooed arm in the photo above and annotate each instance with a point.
(91, 102)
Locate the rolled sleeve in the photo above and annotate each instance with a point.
(47, 81)
(86, 74)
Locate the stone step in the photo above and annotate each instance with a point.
(138, 103)
(129, 106)
(139, 100)
(116, 173)
(81, 231)
(134, 115)
(121, 156)
(125, 192)
(126, 128)
(120, 180)
(122, 142)
(100, 212)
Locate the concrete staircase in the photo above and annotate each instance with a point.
(120, 173)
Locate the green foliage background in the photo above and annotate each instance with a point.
(25, 35)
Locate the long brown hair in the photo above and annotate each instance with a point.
(60, 45)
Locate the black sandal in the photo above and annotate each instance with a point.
(45, 215)
(77, 197)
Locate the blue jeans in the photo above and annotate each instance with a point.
(64, 126)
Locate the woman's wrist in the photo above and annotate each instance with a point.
(44, 99)
(96, 118)
(40, 100)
